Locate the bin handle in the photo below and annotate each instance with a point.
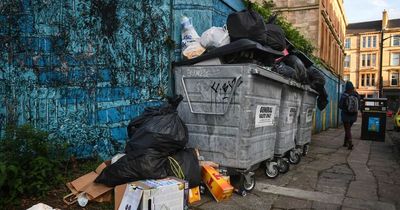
(238, 79)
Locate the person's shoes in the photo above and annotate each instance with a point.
(350, 147)
(345, 144)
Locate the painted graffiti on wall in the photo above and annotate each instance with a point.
(82, 69)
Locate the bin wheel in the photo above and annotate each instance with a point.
(306, 148)
(283, 166)
(202, 189)
(247, 181)
(294, 157)
(271, 170)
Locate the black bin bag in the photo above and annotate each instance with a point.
(301, 71)
(189, 164)
(246, 24)
(155, 138)
(315, 78)
(130, 168)
(284, 70)
(158, 128)
(275, 35)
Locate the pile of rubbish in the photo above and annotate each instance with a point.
(156, 156)
(246, 38)
(156, 159)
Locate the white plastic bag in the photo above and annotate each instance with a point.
(191, 47)
(215, 37)
(41, 206)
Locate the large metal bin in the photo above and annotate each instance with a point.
(307, 111)
(291, 98)
(231, 112)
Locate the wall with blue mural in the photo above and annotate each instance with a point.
(81, 69)
(329, 117)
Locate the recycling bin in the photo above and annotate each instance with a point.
(373, 125)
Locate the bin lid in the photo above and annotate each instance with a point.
(234, 47)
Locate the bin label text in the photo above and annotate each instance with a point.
(291, 115)
(309, 115)
(265, 115)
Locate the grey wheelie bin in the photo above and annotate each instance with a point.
(285, 146)
(231, 112)
(307, 110)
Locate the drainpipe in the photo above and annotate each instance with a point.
(338, 98)
(171, 84)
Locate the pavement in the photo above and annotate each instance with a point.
(329, 177)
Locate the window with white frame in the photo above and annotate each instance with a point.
(367, 80)
(347, 43)
(372, 79)
(363, 80)
(368, 60)
(369, 41)
(347, 60)
(395, 59)
(396, 40)
(394, 80)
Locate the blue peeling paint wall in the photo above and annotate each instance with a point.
(329, 117)
(81, 69)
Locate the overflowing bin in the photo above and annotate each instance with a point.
(232, 113)
(307, 110)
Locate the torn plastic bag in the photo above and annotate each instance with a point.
(284, 70)
(131, 168)
(301, 71)
(214, 37)
(158, 128)
(188, 164)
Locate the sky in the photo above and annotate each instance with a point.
(367, 10)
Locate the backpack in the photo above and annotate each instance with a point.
(351, 103)
(246, 24)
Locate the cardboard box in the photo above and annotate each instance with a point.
(216, 184)
(194, 195)
(168, 193)
(96, 192)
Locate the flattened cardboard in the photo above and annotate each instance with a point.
(86, 184)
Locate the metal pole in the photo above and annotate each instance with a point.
(380, 94)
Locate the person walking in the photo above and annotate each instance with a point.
(349, 105)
